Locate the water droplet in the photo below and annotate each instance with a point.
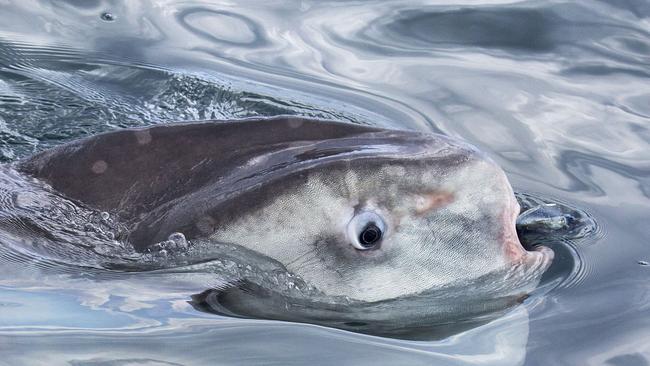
(178, 240)
(644, 263)
(106, 16)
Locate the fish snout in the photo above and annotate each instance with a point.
(538, 257)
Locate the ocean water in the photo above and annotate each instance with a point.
(556, 92)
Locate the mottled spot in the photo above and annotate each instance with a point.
(99, 167)
(143, 136)
(430, 201)
(294, 122)
(396, 170)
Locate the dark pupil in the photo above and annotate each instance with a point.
(370, 235)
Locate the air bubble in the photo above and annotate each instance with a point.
(108, 17)
(178, 240)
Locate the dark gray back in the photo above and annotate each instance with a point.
(132, 170)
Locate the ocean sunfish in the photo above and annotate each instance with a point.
(359, 212)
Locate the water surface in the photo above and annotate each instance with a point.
(556, 92)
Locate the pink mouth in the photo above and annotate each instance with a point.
(514, 251)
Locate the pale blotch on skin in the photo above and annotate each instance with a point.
(474, 186)
(395, 170)
(143, 136)
(99, 167)
(427, 202)
(294, 122)
(352, 180)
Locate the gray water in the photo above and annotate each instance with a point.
(556, 92)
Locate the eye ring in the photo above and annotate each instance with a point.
(366, 230)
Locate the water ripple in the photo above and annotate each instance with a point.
(223, 27)
(555, 92)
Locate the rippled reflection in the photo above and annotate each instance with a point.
(555, 92)
(229, 29)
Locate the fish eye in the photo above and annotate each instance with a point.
(370, 235)
(366, 231)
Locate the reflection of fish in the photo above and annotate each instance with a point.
(355, 211)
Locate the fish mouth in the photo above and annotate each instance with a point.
(537, 257)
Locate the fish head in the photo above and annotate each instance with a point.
(387, 215)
